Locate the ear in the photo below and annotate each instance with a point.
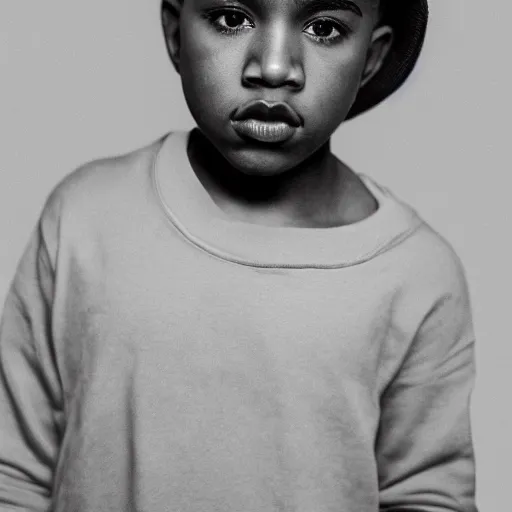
(170, 14)
(382, 40)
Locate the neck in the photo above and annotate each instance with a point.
(291, 197)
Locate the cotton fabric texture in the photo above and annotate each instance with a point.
(157, 356)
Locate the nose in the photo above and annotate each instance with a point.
(274, 60)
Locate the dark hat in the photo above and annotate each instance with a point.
(408, 18)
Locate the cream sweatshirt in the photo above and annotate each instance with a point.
(158, 356)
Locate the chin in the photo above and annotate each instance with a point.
(261, 163)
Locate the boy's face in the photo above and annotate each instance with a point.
(312, 56)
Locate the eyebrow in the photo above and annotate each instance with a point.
(312, 6)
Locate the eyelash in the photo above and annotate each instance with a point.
(213, 17)
(342, 29)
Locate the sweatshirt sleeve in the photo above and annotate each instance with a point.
(424, 447)
(30, 397)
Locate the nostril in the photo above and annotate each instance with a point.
(272, 81)
(253, 81)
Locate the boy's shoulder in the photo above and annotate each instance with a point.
(422, 255)
(103, 178)
(431, 266)
(96, 193)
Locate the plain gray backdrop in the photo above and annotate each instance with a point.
(80, 80)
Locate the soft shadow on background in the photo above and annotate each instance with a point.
(80, 80)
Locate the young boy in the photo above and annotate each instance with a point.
(231, 319)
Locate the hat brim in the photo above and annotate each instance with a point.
(408, 18)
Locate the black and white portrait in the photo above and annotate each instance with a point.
(254, 256)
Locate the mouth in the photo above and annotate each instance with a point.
(266, 122)
(264, 131)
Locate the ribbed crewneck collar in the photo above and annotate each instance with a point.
(193, 212)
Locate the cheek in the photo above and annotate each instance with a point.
(208, 70)
(333, 83)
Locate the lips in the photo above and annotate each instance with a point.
(268, 112)
(266, 122)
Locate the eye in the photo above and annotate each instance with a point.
(230, 21)
(326, 30)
